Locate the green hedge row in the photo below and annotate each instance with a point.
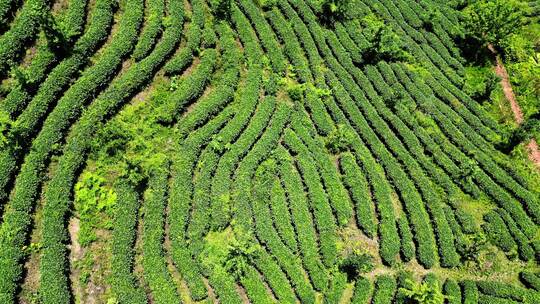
(269, 237)
(210, 104)
(255, 288)
(180, 203)
(336, 288)
(452, 291)
(389, 242)
(530, 279)
(193, 39)
(428, 40)
(360, 193)
(337, 194)
(252, 50)
(497, 232)
(411, 24)
(385, 288)
(526, 252)
(221, 183)
(72, 22)
(445, 236)
(153, 26)
(450, 257)
(36, 72)
(23, 30)
(154, 264)
(282, 217)
(241, 188)
(61, 75)
(276, 279)
(381, 190)
(6, 11)
(485, 182)
(253, 155)
(439, 155)
(266, 36)
(294, 21)
(302, 220)
(461, 239)
(408, 137)
(222, 94)
(261, 189)
(448, 254)
(505, 291)
(444, 160)
(204, 110)
(348, 43)
(362, 291)
(291, 47)
(64, 73)
(413, 204)
(189, 88)
(224, 287)
(29, 178)
(315, 103)
(320, 206)
(198, 223)
(123, 281)
(54, 286)
(470, 292)
(407, 243)
(469, 141)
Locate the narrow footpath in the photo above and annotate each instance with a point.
(500, 70)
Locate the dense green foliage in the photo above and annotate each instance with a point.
(273, 151)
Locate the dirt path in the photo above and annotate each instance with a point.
(500, 70)
(75, 254)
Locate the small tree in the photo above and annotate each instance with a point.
(337, 8)
(340, 139)
(356, 264)
(383, 42)
(221, 8)
(473, 247)
(231, 250)
(492, 21)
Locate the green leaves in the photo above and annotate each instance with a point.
(5, 127)
(492, 21)
(383, 42)
(92, 201)
(423, 293)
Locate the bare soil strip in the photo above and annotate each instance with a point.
(500, 70)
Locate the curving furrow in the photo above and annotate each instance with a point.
(46, 57)
(124, 283)
(54, 283)
(153, 262)
(23, 30)
(28, 122)
(286, 153)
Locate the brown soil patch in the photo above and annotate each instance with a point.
(75, 254)
(500, 70)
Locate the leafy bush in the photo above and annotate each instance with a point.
(221, 8)
(339, 140)
(492, 21)
(92, 200)
(383, 42)
(423, 293)
(356, 264)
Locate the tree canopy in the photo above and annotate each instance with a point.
(492, 21)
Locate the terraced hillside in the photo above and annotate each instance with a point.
(168, 151)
